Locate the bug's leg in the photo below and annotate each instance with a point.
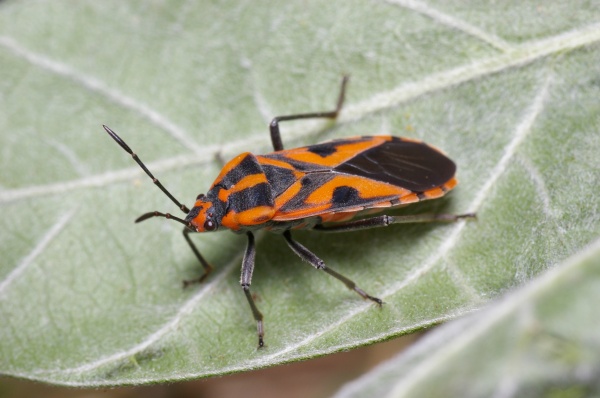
(246, 280)
(316, 262)
(274, 125)
(384, 221)
(207, 267)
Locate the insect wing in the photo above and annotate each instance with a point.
(358, 173)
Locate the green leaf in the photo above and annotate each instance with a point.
(540, 340)
(87, 297)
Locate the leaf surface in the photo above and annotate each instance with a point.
(87, 297)
(539, 340)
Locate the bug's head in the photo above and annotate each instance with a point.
(203, 216)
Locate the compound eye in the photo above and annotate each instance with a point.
(200, 197)
(209, 225)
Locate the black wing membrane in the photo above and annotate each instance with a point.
(412, 165)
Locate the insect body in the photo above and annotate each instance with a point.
(321, 187)
(305, 187)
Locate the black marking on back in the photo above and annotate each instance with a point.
(345, 195)
(348, 197)
(411, 165)
(300, 166)
(279, 178)
(323, 150)
(309, 184)
(257, 195)
(248, 166)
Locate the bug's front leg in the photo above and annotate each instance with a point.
(316, 262)
(274, 125)
(207, 267)
(246, 280)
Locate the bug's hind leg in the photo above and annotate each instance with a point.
(246, 280)
(316, 262)
(384, 221)
(274, 125)
(207, 267)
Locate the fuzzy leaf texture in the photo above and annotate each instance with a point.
(88, 298)
(539, 341)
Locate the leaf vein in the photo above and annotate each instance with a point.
(522, 55)
(97, 86)
(184, 310)
(453, 22)
(403, 93)
(52, 233)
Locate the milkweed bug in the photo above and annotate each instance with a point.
(321, 187)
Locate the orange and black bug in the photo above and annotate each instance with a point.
(320, 187)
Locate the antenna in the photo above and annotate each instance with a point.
(135, 157)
